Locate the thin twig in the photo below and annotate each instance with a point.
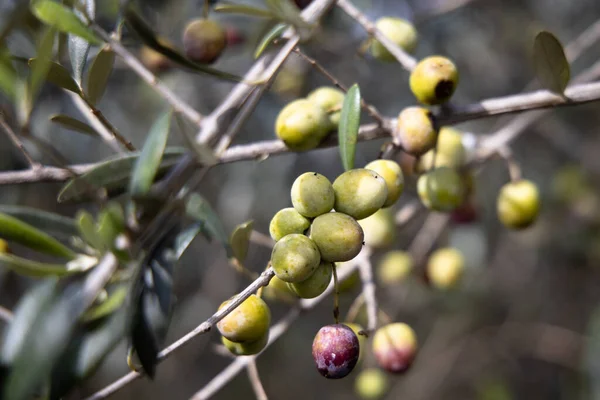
(255, 381)
(365, 269)
(432, 228)
(136, 66)
(407, 212)
(406, 60)
(18, 144)
(368, 107)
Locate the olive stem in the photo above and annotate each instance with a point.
(257, 386)
(18, 143)
(355, 307)
(514, 170)
(336, 295)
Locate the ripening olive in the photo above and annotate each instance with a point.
(416, 130)
(335, 350)
(394, 347)
(359, 192)
(434, 79)
(302, 125)
(204, 40)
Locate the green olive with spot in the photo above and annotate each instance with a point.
(434, 80)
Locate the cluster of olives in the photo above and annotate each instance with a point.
(304, 123)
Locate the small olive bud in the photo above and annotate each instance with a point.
(302, 125)
(401, 32)
(312, 194)
(416, 130)
(248, 322)
(204, 40)
(294, 258)
(338, 236)
(287, 221)
(433, 80)
(518, 204)
(359, 192)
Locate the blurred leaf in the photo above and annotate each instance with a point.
(147, 164)
(30, 306)
(99, 73)
(8, 76)
(198, 209)
(87, 229)
(13, 229)
(349, 125)
(63, 19)
(243, 10)
(34, 269)
(184, 239)
(203, 152)
(73, 124)
(79, 47)
(113, 302)
(57, 75)
(113, 175)
(273, 34)
(14, 18)
(111, 223)
(39, 71)
(288, 12)
(42, 220)
(551, 65)
(240, 240)
(147, 35)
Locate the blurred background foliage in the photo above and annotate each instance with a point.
(525, 322)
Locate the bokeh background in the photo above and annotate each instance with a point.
(524, 323)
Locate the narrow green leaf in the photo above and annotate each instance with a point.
(113, 175)
(87, 229)
(273, 34)
(57, 75)
(73, 124)
(63, 19)
(79, 47)
(42, 220)
(112, 303)
(288, 12)
(198, 209)
(551, 65)
(184, 239)
(240, 240)
(111, 222)
(147, 35)
(39, 70)
(349, 125)
(13, 229)
(35, 269)
(243, 10)
(8, 76)
(148, 163)
(99, 73)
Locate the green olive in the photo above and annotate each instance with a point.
(416, 130)
(204, 40)
(394, 267)
(246, 348)
(338, 236)
(294, 258)
(379, 229)
(302, 125)
(401, 32)
(316, 283)
(445, 268)
(359, 193)
(371, 384)
(287, 221)
(312, 194)
(518, 204)
(246, 323)
(441, 189)
(391, 173)
(434, 80)
(449, 152)
(331, 100)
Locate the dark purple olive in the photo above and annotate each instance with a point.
(335, 351)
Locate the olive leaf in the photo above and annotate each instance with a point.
(42, 220)
(147, 164)
(57, 75)
(551, 65)
(287, 12)
(63, 19)
(79, 47)
(35, 269)
(240, 240)
(243, 10)
(8, 75)
(73, 124)
(99, 73)
(349, 126)
(198, 209)
(273, 34)
(16, 230)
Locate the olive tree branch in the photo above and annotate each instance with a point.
(254, 377)
(406, 60)
(6, 315)
(18, 144)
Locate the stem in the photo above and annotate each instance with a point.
(336, 295)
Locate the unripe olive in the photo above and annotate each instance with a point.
(359, 192)
(442, 189)
(518, 204)
(246, 348)
(248, 322)
(204, 40)
(399, 31)
(371, 384)
(445, 268)
(294, 258)
(312, 194)
(450, 151)
(154, 61)
(316, 283)
(394, 347)
(338, 236)
(394, 267)
(335, 350)
(379, 229)
(416, 130)
(391, 173)
(329, 98)
(302, 125)
(434, 80)
(362, 339)
(278, 290)
(287, 221)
